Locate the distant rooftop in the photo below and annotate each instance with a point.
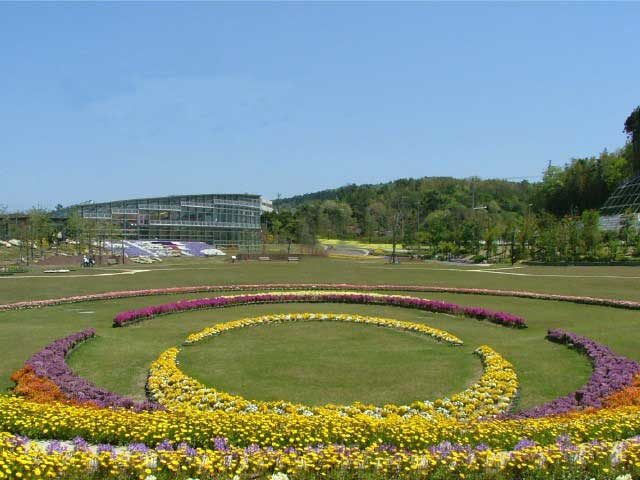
(91, 202)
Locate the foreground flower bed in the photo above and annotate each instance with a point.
(608, 302)
(611, 373)
(502, 318)
(121, 427)
(210, 434)
(491, 395)
(20, 458)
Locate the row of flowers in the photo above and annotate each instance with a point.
(611, 373)
(502, 318)
(493, 394)
(48, 367)
(20, 458)
(199, 428)
(421, 328)
(609, 302)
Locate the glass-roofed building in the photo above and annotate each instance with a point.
(218, 219)
(624, 199)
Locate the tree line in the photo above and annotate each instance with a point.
(555, 219)
(38, 230)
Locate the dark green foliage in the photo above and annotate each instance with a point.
(583, 184)
(427, 211)
(632, 129)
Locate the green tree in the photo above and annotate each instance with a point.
(77, 228)
(375, 220)
(632, 129)
(40, 229)
(336, 218)
(590, 232)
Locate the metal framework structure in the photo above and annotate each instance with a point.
(222, 220)
(625, 199)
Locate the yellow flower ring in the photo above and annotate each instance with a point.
(492, 395)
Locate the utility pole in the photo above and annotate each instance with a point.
(396, 225)
(396, 222)
(124, 226)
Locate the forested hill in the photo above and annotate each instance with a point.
(437, 209)
(441, 203)
(427, 193)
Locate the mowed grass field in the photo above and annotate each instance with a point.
(325, 362)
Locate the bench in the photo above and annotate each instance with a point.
(293, 259)
(264, 259)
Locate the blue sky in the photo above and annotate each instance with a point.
(115, 100)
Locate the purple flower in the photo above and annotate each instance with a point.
(187, 449)
(80, 444)
(502, 318)
(252, 449)
(18, 440)
(165, 445)
(138, 448)
(221, 444)
(107, 448)
(55, 446)
(50, 363)
(611, 373)
(524, 443)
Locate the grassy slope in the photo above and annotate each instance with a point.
(119, 358)
(569, 280)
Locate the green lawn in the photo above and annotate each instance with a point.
(327, 362)
(330, 362)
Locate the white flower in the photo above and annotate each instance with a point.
(279, 476)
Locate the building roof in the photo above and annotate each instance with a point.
(89, 203)
(624, 198)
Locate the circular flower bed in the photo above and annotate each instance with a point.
(591, 433)
(491, 395)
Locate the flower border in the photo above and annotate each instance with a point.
(78, 459)
(611, 374)
(49, 363)
(502, 318)
(608, 302)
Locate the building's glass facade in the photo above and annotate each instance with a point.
(220, 220)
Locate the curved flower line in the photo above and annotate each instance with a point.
(501, 318)
(609, 302)
(219, 328)
(201, 428)
(491, 395)
(611, 373)
(49, 363)
(78, 459)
